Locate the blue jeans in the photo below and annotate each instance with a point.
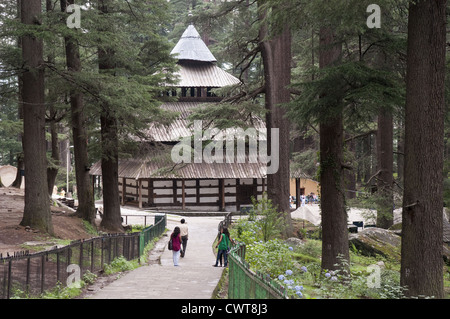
(220, 253)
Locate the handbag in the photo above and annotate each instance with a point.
(170, 246)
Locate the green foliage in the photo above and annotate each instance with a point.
(224, 115)
(263, 224)
(234, 26)
(271, 257)
(352, 88)
(299, 270)
(90, 228)
(268, 219)
(89, 277)
(120, 264)
(246, 231)
(134, 35)
(61, 292)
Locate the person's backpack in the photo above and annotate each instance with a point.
(170, 246)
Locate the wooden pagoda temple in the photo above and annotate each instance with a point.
(150, 179)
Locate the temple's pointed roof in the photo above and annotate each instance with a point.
(191, 47)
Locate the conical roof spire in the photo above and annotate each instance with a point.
(191, 47)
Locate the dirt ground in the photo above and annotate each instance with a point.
(13, 235)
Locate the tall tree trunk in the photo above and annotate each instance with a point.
(86, 204)
(422, 218)
(385, 161)
(400, 152)
(20, 166)
(110, 148)
(52, 170)
(350, 175)
(334, 215)
(37, 204)
(276, 54)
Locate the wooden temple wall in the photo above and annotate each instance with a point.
(198, 194)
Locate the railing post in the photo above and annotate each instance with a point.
(109, 250)
(81, 258)
(57, 267)
(101, 256)
(27, 280)
(9, 278)
(92, 255)
(42, 273)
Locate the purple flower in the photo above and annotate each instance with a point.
(304, 269)
(327, 275)
(299, 293)
(334, 278)
(291, 249)
(280, 277)
(288, 272)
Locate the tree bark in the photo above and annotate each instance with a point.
(110, 148)
(334, 215)
(86, 204)
(400, 152)
(422, 219)
(37, 204)
(385, 161)
(20, 165)
(52, 170)
(350, 175)
(276, 54)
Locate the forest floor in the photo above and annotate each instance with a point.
(14, 237)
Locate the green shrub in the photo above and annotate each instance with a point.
(268, 218)
(120, 264)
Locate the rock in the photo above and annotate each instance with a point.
(377, 241)
(446, 253)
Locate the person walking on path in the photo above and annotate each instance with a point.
(223, 245)
(176, 245)
(184, 236)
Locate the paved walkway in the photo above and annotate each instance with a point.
(194, 278)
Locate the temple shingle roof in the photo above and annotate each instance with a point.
(191, 47)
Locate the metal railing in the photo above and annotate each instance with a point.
(32, 274)
(243, 283)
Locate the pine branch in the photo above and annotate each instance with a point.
(244, 96)
(68, 78)
(360, 135)
(253, 53)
